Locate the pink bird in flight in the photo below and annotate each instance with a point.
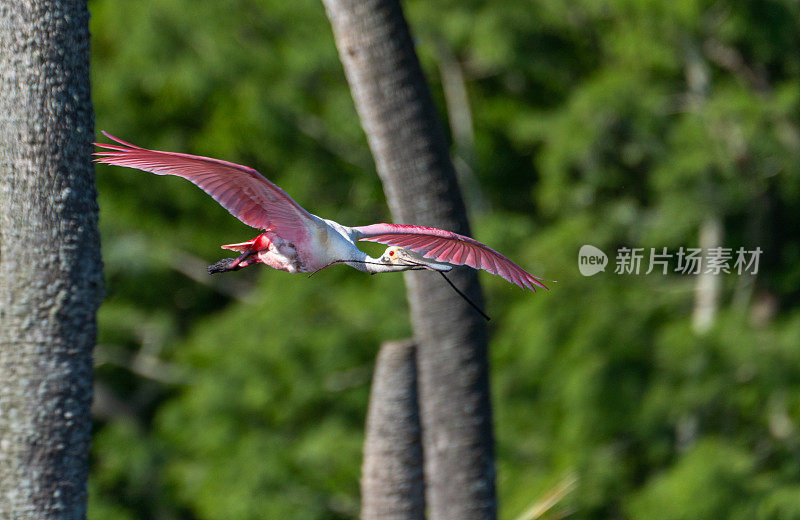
(296, 241)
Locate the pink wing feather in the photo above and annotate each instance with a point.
(445, 246)
(244, 192)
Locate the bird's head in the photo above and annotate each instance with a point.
(402, 257)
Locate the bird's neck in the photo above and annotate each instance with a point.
(374, 265)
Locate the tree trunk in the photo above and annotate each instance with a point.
(392, 486)
(412, 159)
(50, 269)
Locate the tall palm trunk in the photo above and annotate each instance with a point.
(391, 480)
(412, 159)
(50, 270)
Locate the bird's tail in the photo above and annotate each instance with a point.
(259, 243)
(241, 246)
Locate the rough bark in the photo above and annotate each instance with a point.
(410, 151)
(50, 269)
(392, 484)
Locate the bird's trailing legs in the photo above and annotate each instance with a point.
(248, 256)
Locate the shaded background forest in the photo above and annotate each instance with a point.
(618, 124)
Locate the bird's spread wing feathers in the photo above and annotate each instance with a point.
(244, 192)
(444, 246)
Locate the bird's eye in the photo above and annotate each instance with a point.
(391, 253)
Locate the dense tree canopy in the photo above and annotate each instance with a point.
(616, 123)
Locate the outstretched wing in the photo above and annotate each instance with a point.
(445, 246)
(244, 192)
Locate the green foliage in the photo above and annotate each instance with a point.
(710, 481)
(617, 123)
(281, 412)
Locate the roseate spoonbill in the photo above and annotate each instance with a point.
(296, 241)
